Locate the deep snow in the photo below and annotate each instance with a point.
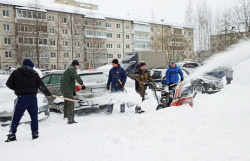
(215, 129)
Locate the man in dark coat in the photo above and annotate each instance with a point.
(25, 82)
(117, 79)
(68, 89)
(142, 76)
(172, 75)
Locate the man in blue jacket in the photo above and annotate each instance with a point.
(172, 75)
(117, 80)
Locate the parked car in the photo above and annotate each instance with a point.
(202, 84)
(95, 81)
(6, 107)
(221, 71)
(188, 64)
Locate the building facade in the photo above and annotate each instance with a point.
(53, 38)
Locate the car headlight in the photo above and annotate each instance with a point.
(205, 81)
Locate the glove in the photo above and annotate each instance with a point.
(74, 93)
(145, 84)
(122, 85)
(108, 87)
(83, 87)
(182, 79)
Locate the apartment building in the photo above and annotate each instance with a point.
(221, 42)
(78, 4)
(53, 37)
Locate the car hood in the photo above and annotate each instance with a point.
(210, 77)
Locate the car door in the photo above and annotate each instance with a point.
(54, 84)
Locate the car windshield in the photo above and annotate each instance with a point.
(94, 78)
(124, 66)
(128, 57)
(156, 75)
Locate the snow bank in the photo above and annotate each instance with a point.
(215, 129)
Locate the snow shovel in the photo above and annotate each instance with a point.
(81, 102)
(123, 87)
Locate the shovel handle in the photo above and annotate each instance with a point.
(172, 85)
(68, 99)
(121, 84)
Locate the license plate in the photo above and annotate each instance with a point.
(97, 90)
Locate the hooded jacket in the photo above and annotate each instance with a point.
(114, 75)
(172, 75)
(26, 81)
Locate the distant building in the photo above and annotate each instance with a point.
(78, 4)
(53, 35)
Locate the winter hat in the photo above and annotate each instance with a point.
(172, 62)
(115, 61)
(28, 62)
(142, 64)
(75, 62)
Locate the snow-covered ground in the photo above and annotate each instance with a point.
(215, 129)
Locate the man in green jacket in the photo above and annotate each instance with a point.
(68, 89)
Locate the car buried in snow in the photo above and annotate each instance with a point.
(201, 84)
(94, 80)
(7, 106)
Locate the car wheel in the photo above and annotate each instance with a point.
(61, 108)
(199, 88)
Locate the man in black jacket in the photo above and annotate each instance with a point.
(25, 82)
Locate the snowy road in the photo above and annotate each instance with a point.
(216, 129)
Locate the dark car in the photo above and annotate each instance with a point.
(203, 83)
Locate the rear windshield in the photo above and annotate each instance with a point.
(94, 78)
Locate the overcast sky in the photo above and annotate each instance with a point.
(169, 10)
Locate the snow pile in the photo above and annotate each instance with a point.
(216, 129)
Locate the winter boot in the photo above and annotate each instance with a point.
(110, 109)
(11, 137)
(35, 136)
(72, 121)
(138, 109)
(122, 108)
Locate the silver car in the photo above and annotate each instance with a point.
(95, 81)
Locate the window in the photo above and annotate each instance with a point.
(65, 31)
(99, 45)
(118, 46)
(53, 55)
(88, 45)
(53, 43)
(51, 18)
(78, 55)
(127, 27)
(77, 44)
(66, 55)
(118, 36)
(109, 46)
(6, 13)
(119, 56)
(22, 28)
(190, 33)
(6, 27)
(64, 20)
(127, 46)
(127, 37)
(51, 31)
(77, 32)
(42, 41)
(98, 24)
(109, 35)
(158, 30)
(29, 14)
(108, 24)
(190, 41)
(65, 43)
(7, 54)
(55, 79)
(110, 55)
(6, 41)
(118, 26)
